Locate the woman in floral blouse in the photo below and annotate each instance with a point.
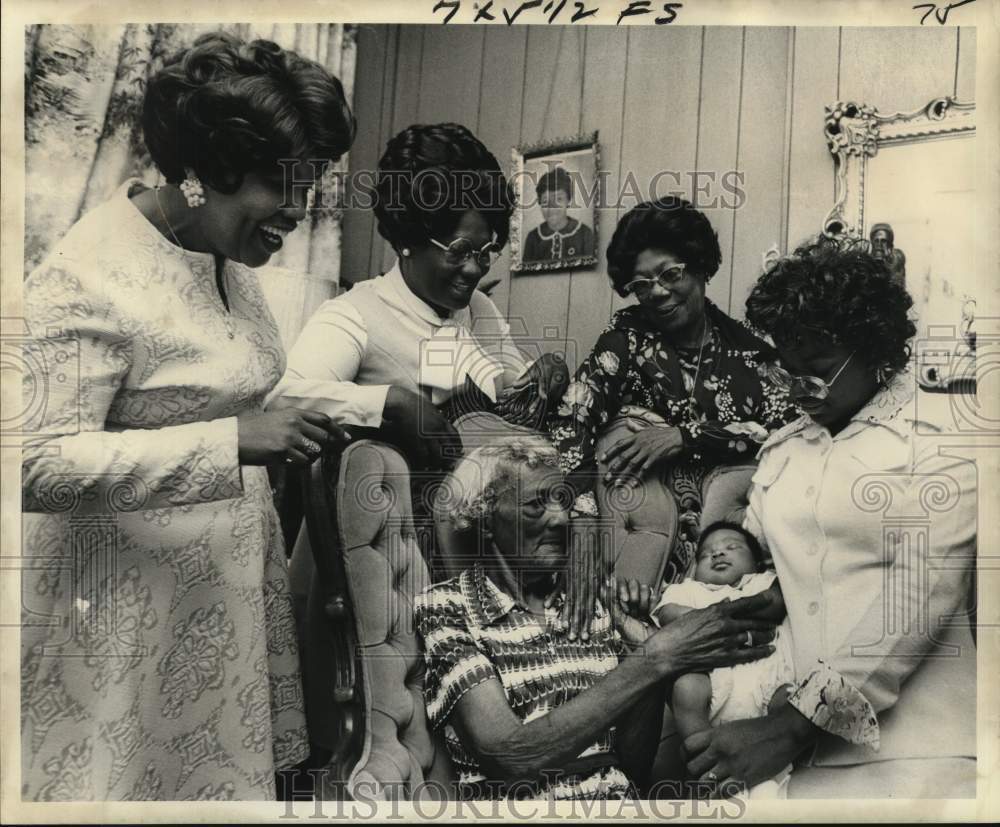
(676, 356)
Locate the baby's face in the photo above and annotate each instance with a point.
(724, 557)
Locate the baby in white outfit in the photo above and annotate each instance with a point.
(729, 565)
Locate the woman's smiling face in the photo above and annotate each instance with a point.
(249, 225)
(676, 309)
(441, 283)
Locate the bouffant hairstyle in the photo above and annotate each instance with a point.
(553, 181)
(223, 108)
(752, 542)
(669, 223)
(835, 288)
(429, 176)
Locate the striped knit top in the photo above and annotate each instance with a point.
(474, 632)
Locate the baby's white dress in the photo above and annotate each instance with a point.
(741, 691)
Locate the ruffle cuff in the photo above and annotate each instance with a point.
(837, 707)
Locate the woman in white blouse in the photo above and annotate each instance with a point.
(872, 528)
(415, 347)
(159, 651)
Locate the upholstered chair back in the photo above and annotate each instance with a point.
(374, 555)
(641, 520)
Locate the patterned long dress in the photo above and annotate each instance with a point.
(159, 658)
(717, 398)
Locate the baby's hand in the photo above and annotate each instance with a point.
(630, 610)
(635, 598)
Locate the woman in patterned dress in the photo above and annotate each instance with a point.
(159, 658)
(675, 355)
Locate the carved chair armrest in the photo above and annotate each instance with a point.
(319, 488)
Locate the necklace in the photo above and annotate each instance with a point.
(705, 335)
(226, 316)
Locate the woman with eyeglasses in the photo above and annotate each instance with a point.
(672, 358)
(409, 351)
(872, 530)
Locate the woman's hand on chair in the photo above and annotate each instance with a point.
(634, 454)
(525, 401)
(429, 439)
(289, 435)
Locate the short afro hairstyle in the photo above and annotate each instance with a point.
(669, 223)
(429, 176)
(837, 288)
(752, 542)
(555, 180)
(224, 108)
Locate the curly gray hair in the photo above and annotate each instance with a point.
(480, 478)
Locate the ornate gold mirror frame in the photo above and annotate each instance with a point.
(855, 132)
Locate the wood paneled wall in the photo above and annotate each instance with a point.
(663, 98)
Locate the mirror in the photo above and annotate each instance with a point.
(904, 181)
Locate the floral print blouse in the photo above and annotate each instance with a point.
(722, 405)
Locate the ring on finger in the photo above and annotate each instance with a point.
(310, 446)
(711, 776)
(289, 460)
(749, 641)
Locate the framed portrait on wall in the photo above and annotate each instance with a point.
(554, 226)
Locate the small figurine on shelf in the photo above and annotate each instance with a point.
(883, 247)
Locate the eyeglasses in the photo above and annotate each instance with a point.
(803, 386)
(461, 250)
(666, 277)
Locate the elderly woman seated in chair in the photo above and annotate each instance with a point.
(526, 711)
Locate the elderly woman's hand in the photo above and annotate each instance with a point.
(723, 634)
(633, 455)
(587, 577)
(744, 753)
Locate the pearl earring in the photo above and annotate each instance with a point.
(406, 252)
(310, 198)
(193, 190)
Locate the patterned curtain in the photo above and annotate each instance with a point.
(83, 94)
